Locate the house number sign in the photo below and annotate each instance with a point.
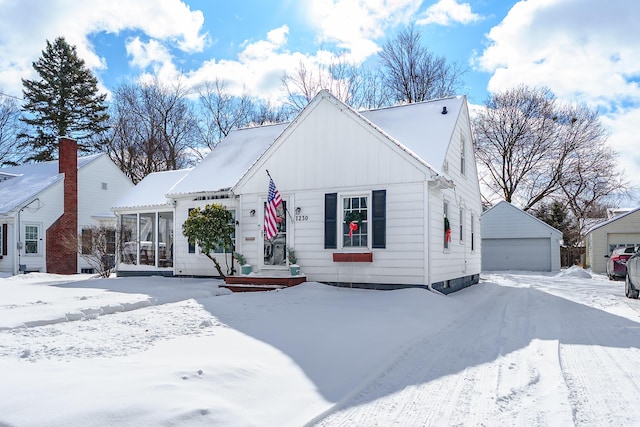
(302, 217)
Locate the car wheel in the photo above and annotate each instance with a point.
(629, 291)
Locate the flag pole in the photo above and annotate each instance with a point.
(283, 205)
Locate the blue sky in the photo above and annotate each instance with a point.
(583, 50)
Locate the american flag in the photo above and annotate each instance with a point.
(270, 215)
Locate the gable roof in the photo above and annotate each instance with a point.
(609, 221)
(21, 184)
(421, 127)
(152, 190)
(503, 204)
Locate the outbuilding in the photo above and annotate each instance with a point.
(602, 238)
(512, 239)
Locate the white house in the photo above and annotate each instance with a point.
(42, 203)
(401, 174)
(515, 240)
(620, 230)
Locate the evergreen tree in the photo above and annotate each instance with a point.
(63, 102)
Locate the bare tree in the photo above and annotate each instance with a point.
(531, 147)
(412, 73)
(339, 78)
(153, 128)
(96, 245)
(220, 111)
(10, 127)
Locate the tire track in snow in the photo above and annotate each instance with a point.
(429, 378)
(603, 381)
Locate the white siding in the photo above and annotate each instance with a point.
(93, 198)
(624, 230)
(43, 212)
(458, 260)
(197, 264)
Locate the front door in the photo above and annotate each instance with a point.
(275, 249)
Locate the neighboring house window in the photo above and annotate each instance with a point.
(461, 225)
(355, 224)
(473, 241)
(462, 156)
(86, 241)
(31, 239)
(447, 225)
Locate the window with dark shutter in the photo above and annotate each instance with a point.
(192, 246)
(4, 239)
(379, 218)
(330, 220)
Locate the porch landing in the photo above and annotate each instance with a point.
(256, 282)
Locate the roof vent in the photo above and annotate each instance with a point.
(444, 110)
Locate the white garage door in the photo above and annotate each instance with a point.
(516, 254)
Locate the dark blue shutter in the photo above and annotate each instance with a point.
(330, 220)
(379, 218)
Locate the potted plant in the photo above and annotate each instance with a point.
(244, 266)
(293, 266)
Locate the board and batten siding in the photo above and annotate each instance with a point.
(623, 230)
(197, 264)
(347, 157)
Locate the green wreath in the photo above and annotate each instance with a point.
(354, 216)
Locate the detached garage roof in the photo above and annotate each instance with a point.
(504, 220)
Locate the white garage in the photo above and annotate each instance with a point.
(515, 240)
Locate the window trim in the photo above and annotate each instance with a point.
(463, 162)
(340, 218)
(38, 228)
(461, 218)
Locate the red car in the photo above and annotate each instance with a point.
(617, 262)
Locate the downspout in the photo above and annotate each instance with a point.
(428, 243)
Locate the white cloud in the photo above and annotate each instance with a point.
(583, 51)
(355, 25)
(448, 12)
(167, 20)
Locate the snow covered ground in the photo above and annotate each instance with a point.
(518, 349)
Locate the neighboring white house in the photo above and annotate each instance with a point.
(396, 173)
(515, 240)
(621, 230)
(41, 204)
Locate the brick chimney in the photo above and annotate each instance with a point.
(61, 257)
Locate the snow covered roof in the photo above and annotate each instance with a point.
(20, 184)
(609, 221)
(421, 127)
(152, 190)
(229, 160)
